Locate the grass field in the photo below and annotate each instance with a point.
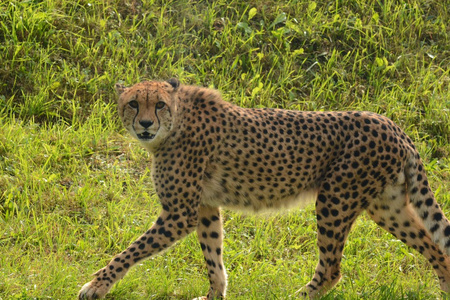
(75, 189)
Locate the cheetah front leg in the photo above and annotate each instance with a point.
(169, 228)
(209, 230)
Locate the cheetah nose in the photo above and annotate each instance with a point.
(146, 124)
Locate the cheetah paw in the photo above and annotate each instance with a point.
(303, 293)
(92, 290)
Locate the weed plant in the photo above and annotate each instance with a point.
(75, 189)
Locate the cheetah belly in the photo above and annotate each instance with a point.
(237, 194)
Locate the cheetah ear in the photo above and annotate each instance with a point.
(120, 88)
(175, 83)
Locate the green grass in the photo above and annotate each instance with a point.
(75, 189)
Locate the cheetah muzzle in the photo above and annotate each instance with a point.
(208, 154)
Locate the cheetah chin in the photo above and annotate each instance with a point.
(210, 153)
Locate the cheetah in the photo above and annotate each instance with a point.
(209, 154)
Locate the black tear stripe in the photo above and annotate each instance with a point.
(157, 117)
(134, 119)
(157, 100)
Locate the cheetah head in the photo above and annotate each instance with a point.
(147, 110)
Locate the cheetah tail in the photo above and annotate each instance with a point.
(423, 201)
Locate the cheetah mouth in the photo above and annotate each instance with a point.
(145, 136)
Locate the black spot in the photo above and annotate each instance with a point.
(447, 230)
(322, 198)
(325, 212)
(335, 200)
(437, 216)
(429, 201)
(424, 191)
(434, 228)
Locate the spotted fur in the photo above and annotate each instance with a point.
(208, 153)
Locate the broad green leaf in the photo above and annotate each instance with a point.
(279, 19)
(251, 13)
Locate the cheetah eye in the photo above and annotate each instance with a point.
(160, 105)
(133, 104)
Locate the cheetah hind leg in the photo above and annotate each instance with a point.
(332, 231)
(393, 212)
